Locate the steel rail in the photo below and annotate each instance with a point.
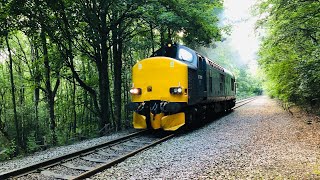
(107, 165)
(55, 161)
(120, 159)
(243, 102)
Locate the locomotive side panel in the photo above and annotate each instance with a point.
(220, 84)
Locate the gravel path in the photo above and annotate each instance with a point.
(258, 140)
(56, 152)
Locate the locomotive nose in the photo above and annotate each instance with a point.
(160, 78)
(163, 84)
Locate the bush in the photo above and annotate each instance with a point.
(32, 145)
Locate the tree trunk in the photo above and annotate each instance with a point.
(117, 62)
(18, 137)
(37, 79)
(103, 76)
(162, 38)
(86, 103)
(74, 112)
(49, 92)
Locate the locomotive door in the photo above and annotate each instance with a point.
(202, 78)
(222, 85)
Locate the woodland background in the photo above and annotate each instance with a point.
(65, 65)
(289, 55)
(65, 69)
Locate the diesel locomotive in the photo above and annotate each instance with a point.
(177, 86)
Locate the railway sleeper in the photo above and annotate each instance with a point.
(56, 175)
(96, 160)
(82, 168)
(107, 154)
(133, 145)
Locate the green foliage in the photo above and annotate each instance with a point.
(32, 145)
(247, 84)
(11, 150)
(197, 20)
(65, 56)
(290, 53)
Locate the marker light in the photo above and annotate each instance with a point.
(135, 91)
(176, 90)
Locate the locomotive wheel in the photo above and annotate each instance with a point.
(209, 112)
(191, 115)
(229, 106)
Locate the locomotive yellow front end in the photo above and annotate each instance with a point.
(159, 93)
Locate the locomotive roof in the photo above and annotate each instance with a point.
(229, 72)
(195, 53)
(214, 64)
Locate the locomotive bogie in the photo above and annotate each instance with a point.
(169, 122)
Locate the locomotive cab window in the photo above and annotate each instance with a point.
(185, 55)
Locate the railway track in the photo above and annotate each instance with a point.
(85, 163)
(243, 102)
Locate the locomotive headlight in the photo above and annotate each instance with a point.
(136, 91)
(176, 90)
